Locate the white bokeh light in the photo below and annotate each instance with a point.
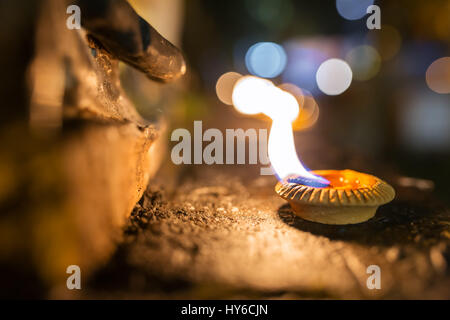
(334, 76)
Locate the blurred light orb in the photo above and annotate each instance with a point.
(225, 85)
(275, 15)
(442, 22)
(295, 91)
(309, 109)
(423, 124)
(364, 61)
(304, 60)
(334, 76)
(438, 75)
(353, 9)
(266, 59)
(309, 114)
(387, 40)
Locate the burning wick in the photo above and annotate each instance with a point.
(326, 196)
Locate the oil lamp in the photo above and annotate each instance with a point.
(324, 196)
(350, 197)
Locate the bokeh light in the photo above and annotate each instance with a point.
(266, 59)
(438, 75)
(309, 109)
(353, 9)
(304, 59)
(309, 114)
(225, 85)
(387, 40)
(334, 76)
(275, 15)
(441, 21)
(295, 91)
(424, 121)
(364, 61)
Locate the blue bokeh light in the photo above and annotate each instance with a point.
(353, 9)
(302, 67)
(266, 59)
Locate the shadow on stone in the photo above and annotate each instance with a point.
(397, 223)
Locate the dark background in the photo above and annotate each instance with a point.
(391, 119)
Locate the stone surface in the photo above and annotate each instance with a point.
(74, 164)
(224, 233)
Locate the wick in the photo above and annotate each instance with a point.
(310, 182)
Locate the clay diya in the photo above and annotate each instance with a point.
(350, 197)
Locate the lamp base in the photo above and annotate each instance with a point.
(333, 215)
(351, 197)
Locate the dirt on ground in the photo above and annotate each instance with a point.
(224, 233)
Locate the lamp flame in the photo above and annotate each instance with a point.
(253, 95)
